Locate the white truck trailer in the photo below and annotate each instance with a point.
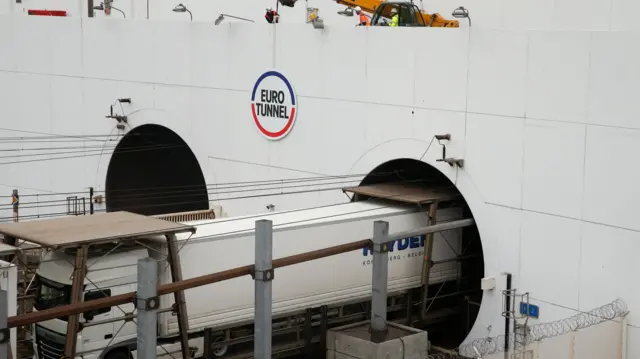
(228, 307)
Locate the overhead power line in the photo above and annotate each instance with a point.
(282, 193)
(54, 135)
(57, 203)
(215, 186)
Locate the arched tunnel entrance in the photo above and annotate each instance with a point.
(153, 171)
(453, 305)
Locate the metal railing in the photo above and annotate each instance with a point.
(262, 271)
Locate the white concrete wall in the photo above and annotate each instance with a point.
(509, 14)
(202, 10)
(597, 342)
(544, 120)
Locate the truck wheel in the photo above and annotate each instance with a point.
(220, 351)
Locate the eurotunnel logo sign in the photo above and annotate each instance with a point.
(273, 105)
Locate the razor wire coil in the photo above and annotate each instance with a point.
(538, 332)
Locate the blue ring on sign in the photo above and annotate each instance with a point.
(278, 75)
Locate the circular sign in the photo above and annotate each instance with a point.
(273, 105)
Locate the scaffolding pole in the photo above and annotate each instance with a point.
(181, 304)
(263, 275)
(77, 286)
(427, 263)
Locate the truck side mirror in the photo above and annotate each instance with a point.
(88, 316)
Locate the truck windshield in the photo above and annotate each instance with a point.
(50, 294)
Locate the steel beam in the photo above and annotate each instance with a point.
(147, 305)
(380, 274)
(181, 305)
(77, 286)
(263, 275)
(427, 260)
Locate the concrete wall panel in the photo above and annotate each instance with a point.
(558, 90)
(553, 167)
(497, 72)
(546, 124)
(494, 157)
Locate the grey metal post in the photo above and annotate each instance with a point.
(263, 276)
(380, 241)
(147, 303)
(5, 343)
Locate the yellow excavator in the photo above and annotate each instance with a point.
(409, 14)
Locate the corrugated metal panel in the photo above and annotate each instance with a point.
(104, 227)
(188, 216)
(407, 193)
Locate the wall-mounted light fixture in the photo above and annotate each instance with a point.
(461, 13)
(107, 8)
(121, 119)
(346, 12)
(451, 161)
(181, 8)
(223, 16)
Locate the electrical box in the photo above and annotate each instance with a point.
(488, 283)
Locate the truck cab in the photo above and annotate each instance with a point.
(408, 14)
(110, 271)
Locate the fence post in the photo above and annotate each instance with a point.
(147, 303)
(263, 275)
(379, 283)
(90, 200)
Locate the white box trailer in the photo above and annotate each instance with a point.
(228, 243)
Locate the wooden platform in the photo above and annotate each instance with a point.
(407, 193)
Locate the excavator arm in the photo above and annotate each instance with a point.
(374, 7)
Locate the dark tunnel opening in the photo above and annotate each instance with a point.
(153, 171)
(459, 300)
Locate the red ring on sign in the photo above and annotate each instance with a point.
(273, 134)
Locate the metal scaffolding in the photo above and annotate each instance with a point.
(80, 233)
(262, 271)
